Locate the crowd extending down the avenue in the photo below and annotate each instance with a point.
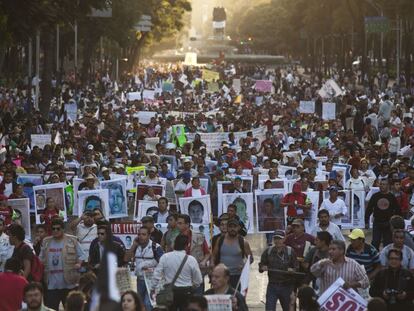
(166, 173)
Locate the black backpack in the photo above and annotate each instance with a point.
(220, 243)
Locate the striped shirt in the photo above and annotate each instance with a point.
(369, 257)
(349, 271)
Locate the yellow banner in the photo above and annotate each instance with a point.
(210, 75)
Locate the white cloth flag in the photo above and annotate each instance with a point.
(244, 277)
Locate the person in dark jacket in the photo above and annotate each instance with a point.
(394, 284)
(97, 248)
(383, 205)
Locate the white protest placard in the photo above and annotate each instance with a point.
(328, 111)
(41, 140)
(151, 143)
(219, 302)
(148, 94)
(306, 106)
(71, 110)
(337, 298)
(237, 85)
(144, 117)
(190, 59)
(133, 96)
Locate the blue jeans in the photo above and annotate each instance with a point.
(142, 291)
(275, 292)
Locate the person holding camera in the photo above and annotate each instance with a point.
(394, 284)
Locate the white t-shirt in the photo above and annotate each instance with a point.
(195, 193)
(8, 189)
(334, 208)
(86, 235)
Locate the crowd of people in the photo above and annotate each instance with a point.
(212, 132)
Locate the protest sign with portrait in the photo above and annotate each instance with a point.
(89, 200)
(244, 207)
(28, 181)
(198, 209)
(117, 197)
(270, 214)
(49, 197)
(21, 209)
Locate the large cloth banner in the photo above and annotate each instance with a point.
(328, 111)
(337, 298)
(263, 86)
(306, 106)
(213, 140)
(210, 75)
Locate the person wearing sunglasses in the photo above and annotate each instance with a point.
(62, 257)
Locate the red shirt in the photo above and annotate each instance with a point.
(7, 213)
(298, 242)
(48, 216)
(244, 164)
(299, 198)
(11, 289)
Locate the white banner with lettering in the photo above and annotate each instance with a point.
(337, 298)
(213, 140)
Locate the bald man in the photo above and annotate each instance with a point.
(220, 285)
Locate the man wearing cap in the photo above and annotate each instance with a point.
(152, 177)
(85, 230)
(155, 234)
(363, 253)
(335, 206)
(183, 183)
(232, 249)
(105, 173)
(278, 260)
(299, 240)
(383, 205)
(324, 224)
(188, 167)
(165, 172)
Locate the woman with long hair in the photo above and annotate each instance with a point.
(130, 301)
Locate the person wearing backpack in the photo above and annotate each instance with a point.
(22, 251)
(277, 260)
(146, 255)
(231, 250)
